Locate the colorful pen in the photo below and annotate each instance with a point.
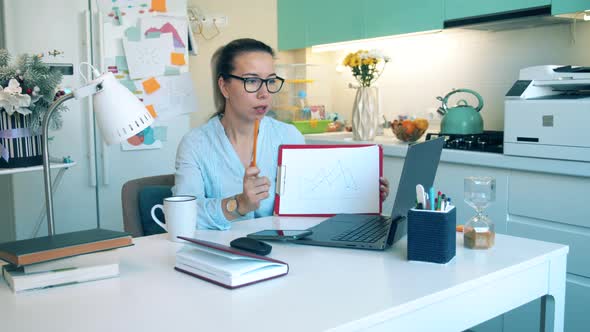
(431, 196)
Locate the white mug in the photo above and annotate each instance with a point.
(181, 216)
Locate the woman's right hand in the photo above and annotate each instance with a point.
(255, 190)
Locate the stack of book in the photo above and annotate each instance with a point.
(62, 259)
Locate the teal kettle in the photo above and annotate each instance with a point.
(462, 119)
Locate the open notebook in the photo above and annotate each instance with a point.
(226, 266)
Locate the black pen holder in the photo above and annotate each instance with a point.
(431, 235)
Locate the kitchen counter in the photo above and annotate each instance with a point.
(392, 147)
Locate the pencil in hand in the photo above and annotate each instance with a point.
(256, 126)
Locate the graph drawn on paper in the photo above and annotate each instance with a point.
(328, 183)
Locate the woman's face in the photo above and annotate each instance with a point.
(241, 103)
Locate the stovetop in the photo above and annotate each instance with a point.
(488, 141)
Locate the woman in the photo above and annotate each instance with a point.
(213, 161)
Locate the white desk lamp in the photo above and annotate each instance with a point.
(119, 114)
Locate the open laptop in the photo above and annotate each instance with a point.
(362, 231)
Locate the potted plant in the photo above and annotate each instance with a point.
(28, 86)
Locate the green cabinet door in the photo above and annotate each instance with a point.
(331, 21)
(386, 17)
(292, 31)
(569, 6)
(455, 9)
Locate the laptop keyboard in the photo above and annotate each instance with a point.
(369, 232)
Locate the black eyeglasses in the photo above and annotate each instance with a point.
(253, 84)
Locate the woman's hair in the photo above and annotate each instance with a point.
(222, 63)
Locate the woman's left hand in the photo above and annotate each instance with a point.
(384, 188)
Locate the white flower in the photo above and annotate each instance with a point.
(11, 99)
(13, 87)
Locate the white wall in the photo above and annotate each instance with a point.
(427, 66)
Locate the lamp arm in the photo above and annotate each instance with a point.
(46, 168)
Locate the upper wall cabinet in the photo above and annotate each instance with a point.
(386, 17)
(304, 23)
(291, 24)
(332, 21)
(569, 6)
(455, 9)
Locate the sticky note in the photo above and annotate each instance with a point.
(177, 59)
(133, 34)
(153, 34)
(152, 111)
(128, 84)
(169, 71)
(150, 85)
(159, 5)
(121, 62)
(118, 15)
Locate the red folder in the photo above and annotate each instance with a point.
(283, 148)
(233, 251)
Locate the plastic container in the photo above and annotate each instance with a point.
(431, 235)
(304, 110)
(312, 126)
(303, 92)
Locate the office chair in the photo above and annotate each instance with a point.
(137, 198)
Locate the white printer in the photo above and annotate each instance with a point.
(547, 113)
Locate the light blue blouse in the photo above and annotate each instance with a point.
(208, 167)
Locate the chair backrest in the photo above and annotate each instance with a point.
(138, 196)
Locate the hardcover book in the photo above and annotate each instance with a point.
(46, 248)
(226, 266)
(19, 281)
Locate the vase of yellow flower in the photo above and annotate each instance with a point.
(366, 67)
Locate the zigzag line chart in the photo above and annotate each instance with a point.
(330, 183)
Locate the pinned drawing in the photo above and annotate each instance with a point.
(175, 96)
(148, 57)
(145, 140)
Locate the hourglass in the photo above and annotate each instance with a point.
(479, 193)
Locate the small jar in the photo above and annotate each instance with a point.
(479, 233)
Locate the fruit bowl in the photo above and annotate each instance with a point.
(409, 130)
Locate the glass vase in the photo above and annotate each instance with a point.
(365, 111)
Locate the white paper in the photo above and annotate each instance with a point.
(175, 96)
(113, 40)
(148, 57)
(125, 146)
(330, 180)
(177, 27)
(132, 8)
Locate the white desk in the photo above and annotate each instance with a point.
(326, 288)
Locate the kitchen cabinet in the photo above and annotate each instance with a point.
(332, 21)
(569, 6)
(457, 9)
(541, 199)
(386, 17)
(292, 29)
(305, 23)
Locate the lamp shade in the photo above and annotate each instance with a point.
(119, 113)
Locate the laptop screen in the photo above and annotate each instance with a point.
(420, 167)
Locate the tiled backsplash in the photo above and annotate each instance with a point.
(426, 66)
